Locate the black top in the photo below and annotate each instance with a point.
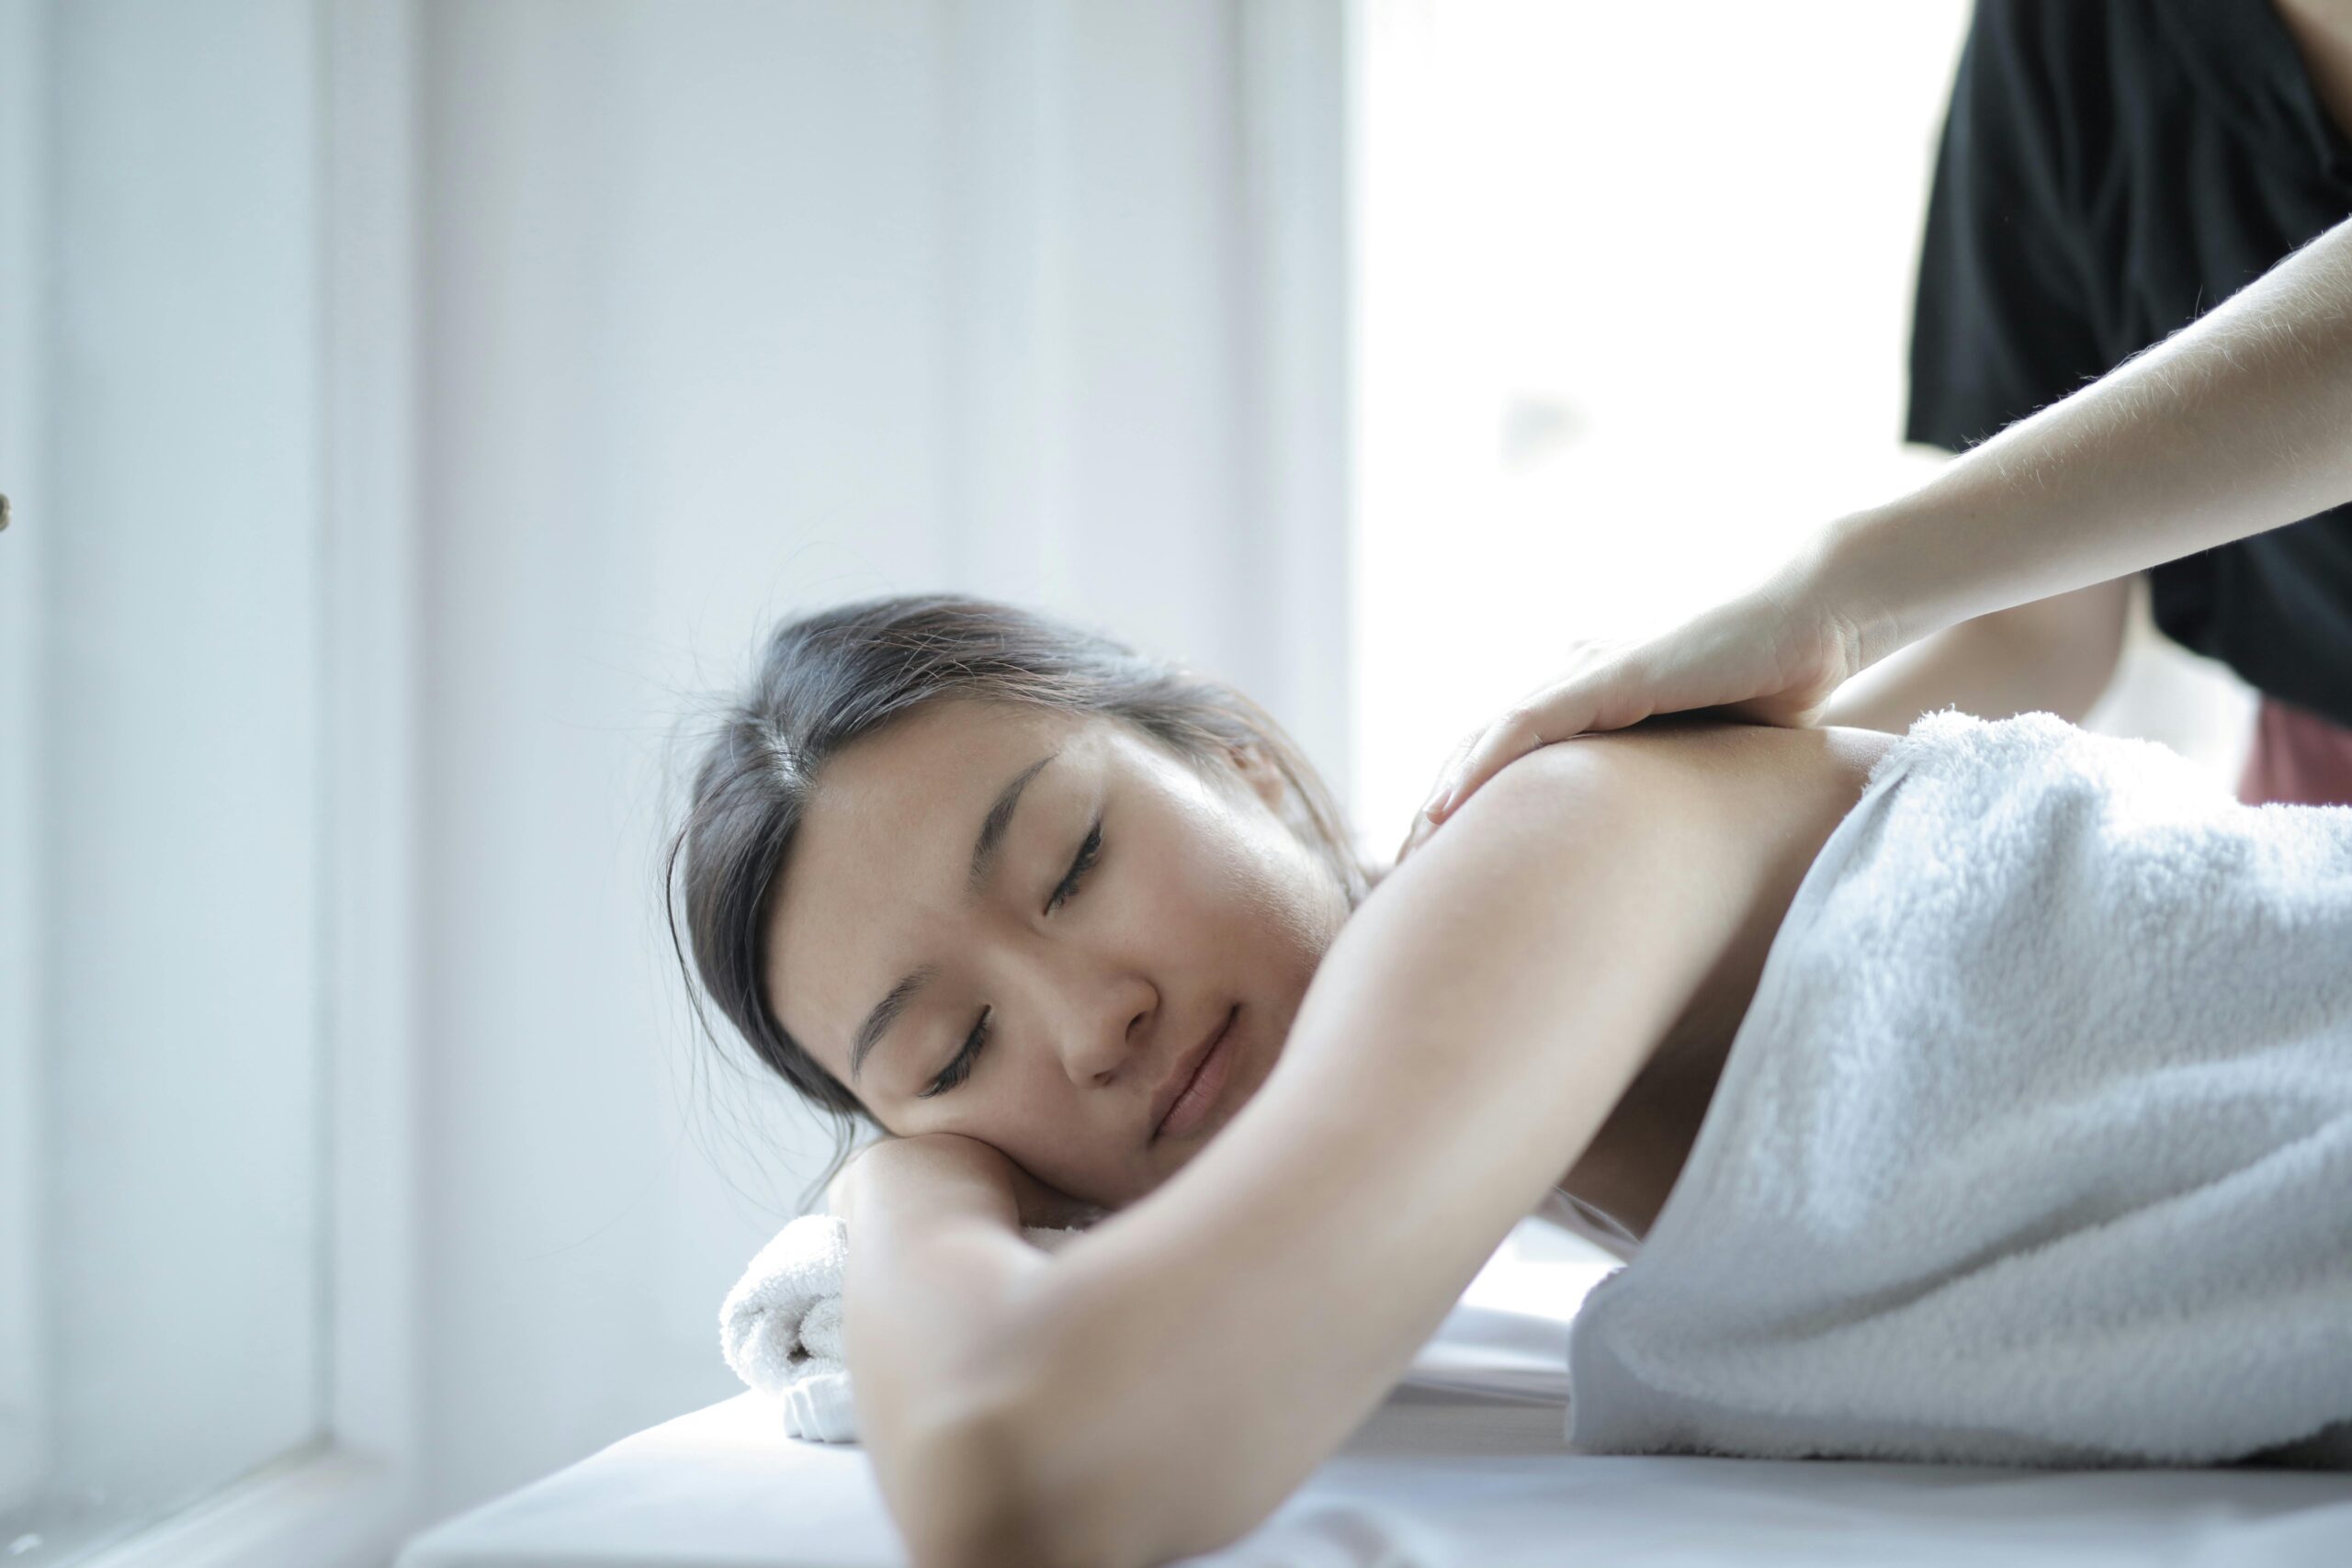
(2112, 169)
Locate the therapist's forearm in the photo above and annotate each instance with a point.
(2052, 656)
(2239, 422)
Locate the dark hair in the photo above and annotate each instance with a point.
(830, 678)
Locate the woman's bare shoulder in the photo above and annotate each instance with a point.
(1750, 753)
(1662, 823)
(1710, 816)
(1750, 780)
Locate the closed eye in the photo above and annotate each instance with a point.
(961, 1067)
(1089, 853)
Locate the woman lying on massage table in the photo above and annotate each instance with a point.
(1080, 929)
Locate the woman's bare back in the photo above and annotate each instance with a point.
(1789, 789)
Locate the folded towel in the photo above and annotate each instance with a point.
(780, 1327)
(2035, 1146)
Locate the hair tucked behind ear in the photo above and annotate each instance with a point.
(830, 678)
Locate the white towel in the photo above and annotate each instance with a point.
(2035, 1147)
(780, 1327)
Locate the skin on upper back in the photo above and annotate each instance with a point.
(1763, 801)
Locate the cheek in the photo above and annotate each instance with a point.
(1022, 1111)
(1244, 873)
(1280, 896)
(1044, 1137)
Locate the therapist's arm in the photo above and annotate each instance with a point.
(2239, 422)
(2055, 655)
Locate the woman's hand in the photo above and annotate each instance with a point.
(1772, 656)
(950, 1154)
(1047, 1206)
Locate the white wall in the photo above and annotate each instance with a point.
(733, 310)
(162, 1001)
(23, 1399)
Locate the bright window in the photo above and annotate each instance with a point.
(1633, 315)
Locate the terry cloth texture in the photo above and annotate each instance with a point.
(780, 1327)
(2035, 1147)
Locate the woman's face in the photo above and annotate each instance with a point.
(929, 888)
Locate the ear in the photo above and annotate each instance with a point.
(1256, 768)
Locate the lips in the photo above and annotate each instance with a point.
(1188, 1069)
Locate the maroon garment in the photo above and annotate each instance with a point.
(2297, 758)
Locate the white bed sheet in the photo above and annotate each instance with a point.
(1463, 1466)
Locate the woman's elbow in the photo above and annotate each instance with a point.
(991, 1489)
(1038, 1446)
(964, 1495)
(1011, 1490)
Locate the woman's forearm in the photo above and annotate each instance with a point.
(2239, 422)
(935, 1263)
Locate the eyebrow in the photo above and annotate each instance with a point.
(986, 850)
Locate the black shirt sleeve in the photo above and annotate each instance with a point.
(2006, 317)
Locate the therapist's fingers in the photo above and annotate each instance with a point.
(1596, 694)
(1520, 730)
(1773, 655)
(1423, 824)
(1415, 835)
(1610, 692)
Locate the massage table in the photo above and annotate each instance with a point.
(1464, 1465)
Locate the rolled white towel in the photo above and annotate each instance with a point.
(780, 1327)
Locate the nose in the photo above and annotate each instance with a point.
(1097, 1021)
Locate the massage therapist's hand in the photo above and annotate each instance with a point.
(2233, 426)
(952, 1157)
(1773, 655)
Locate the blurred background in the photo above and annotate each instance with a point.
(414, 412)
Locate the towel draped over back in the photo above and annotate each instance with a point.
(2035, 1146)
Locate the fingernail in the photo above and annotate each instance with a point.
(1434, 807)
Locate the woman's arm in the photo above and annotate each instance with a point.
(937, 1260)
(1166, 1381)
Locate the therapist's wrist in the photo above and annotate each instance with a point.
(1864, 570)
